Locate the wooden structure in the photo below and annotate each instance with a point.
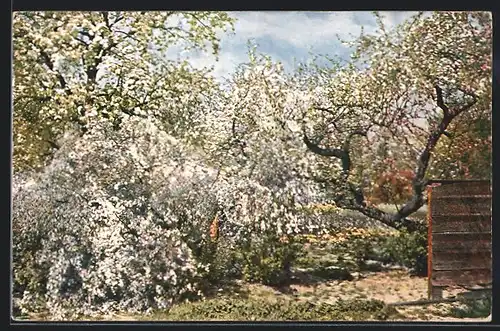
(459, 246)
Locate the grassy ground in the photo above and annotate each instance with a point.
(247, 302)
(314, 294)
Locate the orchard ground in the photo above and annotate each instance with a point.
(313, 283)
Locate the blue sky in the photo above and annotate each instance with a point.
(288, 35)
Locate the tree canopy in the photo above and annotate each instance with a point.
(72, 66)
(405, 100)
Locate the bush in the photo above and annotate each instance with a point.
(224, 263)
(477, 308)
(120, 221)
(89, 232)
(350, 247)
(258, 226)
(195, 214)
(268, 259)
(251, 309)
(354, 246)
(407, 249)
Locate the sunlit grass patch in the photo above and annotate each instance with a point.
(229, 309)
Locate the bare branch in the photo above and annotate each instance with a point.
(330, 152)
(419, 183)
(129, 35)
(347, 142)
(53, 144)
(199, 21)
(326, 110)
(104, 15)
(440, 101)
(468, 105)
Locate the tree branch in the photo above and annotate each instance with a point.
(50, 65)
(419, 183)
(397, 220)
(440, 101)
(330, 152)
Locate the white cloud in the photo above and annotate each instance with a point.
(305, 29)
(296, 28)
(289, 34)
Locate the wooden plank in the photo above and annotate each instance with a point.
(461, 207)
(453, 194)
(454, 181)
(464, 262)
(463, 278)
(459, 235)
(456, 216)
(462, 224)
(471, 188)
(460, 251)
(455, 256)
(465, 237)
(429, 242)
(466, 197)
(458, 246)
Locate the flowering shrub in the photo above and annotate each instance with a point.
(69, 66)
(120, 220)
(92, 229)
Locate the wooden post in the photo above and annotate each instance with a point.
(429, 243)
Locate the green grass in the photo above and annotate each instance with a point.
(259, 309)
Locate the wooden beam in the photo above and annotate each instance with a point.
(429, 242)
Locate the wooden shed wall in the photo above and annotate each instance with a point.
(460, 234)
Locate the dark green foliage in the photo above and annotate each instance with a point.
(268, 260)
(332, 273)
(473, 308)
(354, 250)
(224, 262)
(407, 249)
(282, 310)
